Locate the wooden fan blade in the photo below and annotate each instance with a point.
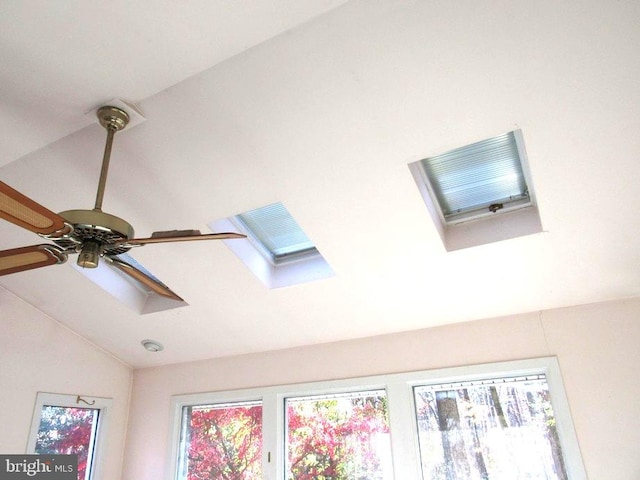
(143, 278)
(24, 212)
(27, 258)
(180, 238)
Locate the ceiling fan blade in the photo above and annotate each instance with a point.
(151, 283)
(27, 258)
(179, 236)
(24, 212)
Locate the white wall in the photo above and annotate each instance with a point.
(596, 345)
(37, 354)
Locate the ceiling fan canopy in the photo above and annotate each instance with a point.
(92, 234)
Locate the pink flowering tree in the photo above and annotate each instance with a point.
(336, 439)
(328, 439)
(65, 431)
(225, 444)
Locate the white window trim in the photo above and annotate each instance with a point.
(402, 419)
(74, 401)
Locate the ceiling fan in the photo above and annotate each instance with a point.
(91, 234)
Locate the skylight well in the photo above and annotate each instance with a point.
(482, 182)
(131, 293)
(276, 249)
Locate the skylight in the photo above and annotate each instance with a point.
(276, 250)
(277, 233)
(477, 179)
(480, 193)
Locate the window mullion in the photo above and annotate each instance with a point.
(404, 436)
(272, 436)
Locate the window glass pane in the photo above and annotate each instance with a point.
(501, 429)
(276, 230)
(221, 442)
(68, 430)
(478, 175)
(338, 437)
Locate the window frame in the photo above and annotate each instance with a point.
(74, 401)
(401, 403)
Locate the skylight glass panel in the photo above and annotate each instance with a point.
(276, 231)
(486, 176)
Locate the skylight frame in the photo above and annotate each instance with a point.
(481, 210)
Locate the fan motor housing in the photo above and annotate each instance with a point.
(96, 225)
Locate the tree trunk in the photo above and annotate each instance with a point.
(481, 466)
(452, 440)
(496, 404)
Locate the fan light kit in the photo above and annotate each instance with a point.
(92, 234)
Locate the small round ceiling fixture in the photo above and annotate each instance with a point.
(152, 345)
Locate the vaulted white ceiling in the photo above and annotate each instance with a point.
(321, 105)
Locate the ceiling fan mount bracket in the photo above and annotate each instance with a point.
(112, 118)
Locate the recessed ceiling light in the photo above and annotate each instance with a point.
(152, 345)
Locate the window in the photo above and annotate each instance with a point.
(486, 184)
(221, 441)
(343, 435)
(496, 428)
(484, 177)
(276, 249)
(68, 424)
(276, 233)
(497, 421)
